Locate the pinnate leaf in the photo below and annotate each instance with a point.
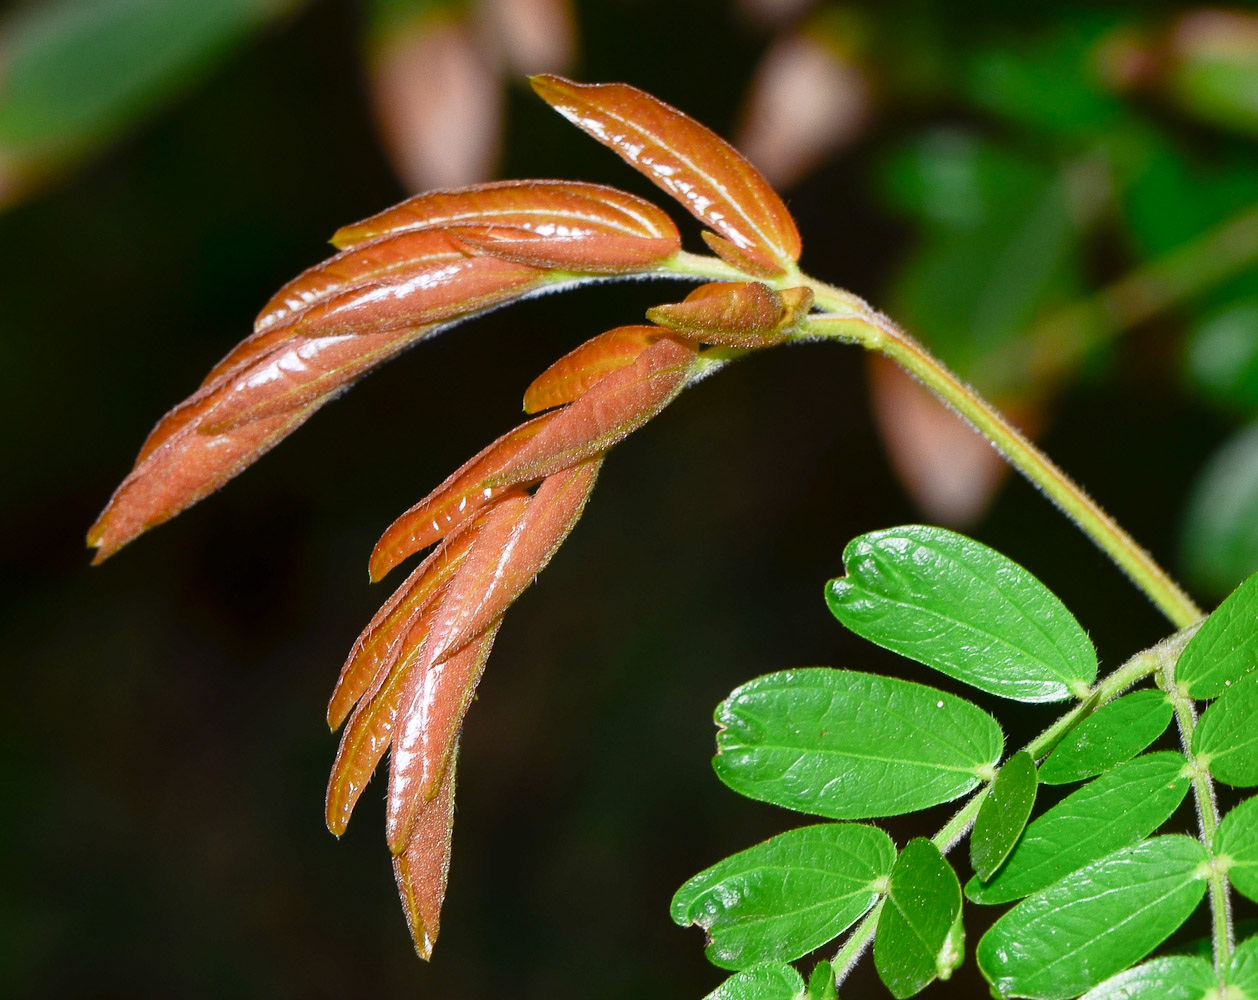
(770, 981)
(1237, 840)
(848, 745)
(1096, 922)
(1115, 733)
(958, 606)
(920, 916)
(785, 897)
(1225, 648)
(1227, 736)
(1178, 977)
(1003, 814)
(736, 313)
(1112, 812)
(569, 378)
(706, 174)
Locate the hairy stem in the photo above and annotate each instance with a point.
(1143, 664)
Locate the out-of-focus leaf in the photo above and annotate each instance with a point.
(75, 74)
(1117, 732)
(771, 981)
(532, 36)
(848, 745)
(1096, 922)
(1176, 978)
(923, 904)
(1213, 68)
(1114, 811)
(1219, 542)
(781, 899)
(1227, 735)
(1003, 814)
(1237, 840)
(694, 165)
(1222, 355)
(956, 605)
(1225, 648)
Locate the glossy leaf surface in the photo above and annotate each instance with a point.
(849, 745)
(785, 897)
(948, 602)
(422, 870)
(1003, 814)
(1114, 811)
(736, 313)
(562, 224)
(1096, 922)
(1115, 733)
(1226, 646)
(1178, 977)
(569, 378)
(923, 904)
(702, 171)
(1237, 839)
(771, 981)
(1227, 735)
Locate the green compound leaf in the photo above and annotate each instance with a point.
(1113, 811)
(948, 602)
(1114, 734)
(821, 983)
(1225, 648)
(1237, 840)
(1176, 978)
(771, 981)
(1003, 814)
(848, 745)
(1227, 735)
(1096, 922)
(781, 899)
(1242, 971)
(918, 926)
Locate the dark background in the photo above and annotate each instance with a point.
(162, 748)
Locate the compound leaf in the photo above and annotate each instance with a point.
(918, 920)
(1094, 923)
(785, 897)
(1113, 811)
(1226, 646)
(771, 981)
(1227, 736)
(1237, 839)
(1179, 977)
(849, 745)
(1116, 733)
(965, 610)
(1003, 814)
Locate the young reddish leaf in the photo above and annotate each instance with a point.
(616, 406)
(565, 224)
(694, 165)
(751, 259)
(452, 504)
(736, 313)
(380, 642)
(423, 868)
(572, 375)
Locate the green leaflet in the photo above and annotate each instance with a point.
(821, 983)
(919, 921)
(1242, 971)
(1227, 736)
(1094, 923)
(1237, 839)
(1117, 732)
(1226, 646)
(1003, 814)
(848, 745)
(781, 899)
(1176, 978)
(1114, 811)
(964, 609)
(771, 981)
